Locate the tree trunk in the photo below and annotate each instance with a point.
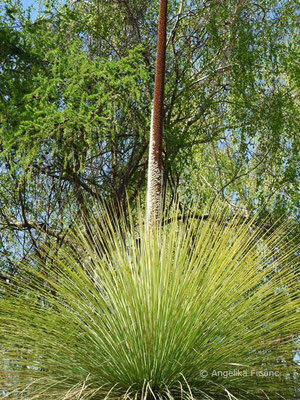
(155, 147)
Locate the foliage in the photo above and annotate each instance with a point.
(124, 313)
(74, 126)
(75, 93)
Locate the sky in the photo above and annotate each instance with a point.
(27, 3)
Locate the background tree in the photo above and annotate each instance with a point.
(75, 104)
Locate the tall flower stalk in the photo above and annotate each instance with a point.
(154, 186)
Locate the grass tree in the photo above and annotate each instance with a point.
(199, 308)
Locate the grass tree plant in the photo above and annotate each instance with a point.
(193, 308)
(197, 309)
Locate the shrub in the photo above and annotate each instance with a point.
(128, 314)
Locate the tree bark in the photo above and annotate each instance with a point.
(154, 186)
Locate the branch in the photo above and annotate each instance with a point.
(25, 219)
(173, 31)
(39, 226)
(215, 72)
(72, 178)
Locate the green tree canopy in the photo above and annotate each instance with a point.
(75, 103)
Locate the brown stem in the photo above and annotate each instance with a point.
(155, 147)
